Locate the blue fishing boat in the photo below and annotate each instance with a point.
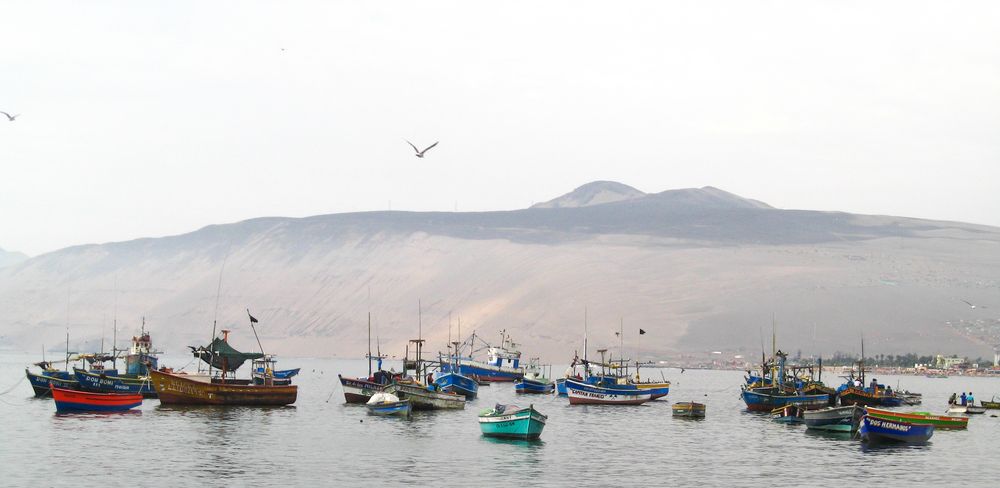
(788, 414)
(534, 380)
(779, 393)
(512, 422)
(878, 430)
(40, 382)
(503, 363)
(581, 393)
(836, 419)
(450, 381)
(385, 404)
(105, 383)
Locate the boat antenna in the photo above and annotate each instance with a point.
(114, 326)
(369, 343)
(585, 335)
(67, 328)
(218, 293)
(253, 320)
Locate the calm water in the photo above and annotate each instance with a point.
(327, 442)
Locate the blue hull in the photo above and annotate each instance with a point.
(532, 386)
(765, 401)
(875, 430)
(561, 387)
(40, 383)
(463, 385)
(114, 384)
(63, 407)
(492, 373)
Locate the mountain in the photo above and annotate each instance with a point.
(698, 269)
(8, 258)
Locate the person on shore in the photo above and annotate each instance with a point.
(963, 398)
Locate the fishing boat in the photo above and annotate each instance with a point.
(360, 390)
(920, 418)
(264, 372)
(85, 401)
(225, 388)
(141, 355)
(581, 393)
(41, 382)
(877, 430)
(503, 362)
(512, 422)
(990, 405)
(855, 390)
(451, 382)
(534, 380)
(836, 419)
(385, 404)
(103, 383)
(688, 410)
(424, 398)
(789, 414)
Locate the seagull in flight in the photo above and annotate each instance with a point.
(971, 305)
(420, 153)
(12, 117)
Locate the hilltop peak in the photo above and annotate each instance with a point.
(593, 193)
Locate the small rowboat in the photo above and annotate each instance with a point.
(966, 409)
(388, 404)
(922, 418)
(689, 410)
(789, 414)
(512, 422)
(875, 430)
(836, 419)
(85, 401)
(531, 385)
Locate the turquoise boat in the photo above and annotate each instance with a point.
(512, 422)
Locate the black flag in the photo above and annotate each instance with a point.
(641, 332)
(253, 320)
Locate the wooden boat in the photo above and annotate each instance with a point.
(357, 390)
(41, 383)
(581, 393)
(789, 414)
(966, 409)
(688, 410)
(865, 397)
(512, 422)
(388, 404)
(503, 362)
(921, 418)
(655, 389)
(85, 401)
(179, 389)
(769, 398)
(422, 398)
(450, 381)
(836, 419)
(991, 405)
(876, 430)
(104, 383)
(530, 385)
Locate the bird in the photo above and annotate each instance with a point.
(420, 153)
(971, 305)
(12, 117)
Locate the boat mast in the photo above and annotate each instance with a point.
(585, 367)
(67, 348)
(369, 344)
(218, 293)
(114, 333)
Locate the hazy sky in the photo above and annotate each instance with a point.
(157, 118)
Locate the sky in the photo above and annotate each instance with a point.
(142, 119)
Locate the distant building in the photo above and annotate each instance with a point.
(942, 362)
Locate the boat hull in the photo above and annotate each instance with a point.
(114, 384)
(860, 397)
(526, 385)
(875, 430)
(357, 390)
(401, 408)
(835, 419)
(526, 423)
(655, 390)
(488, 372)
(583, 394)
(177, 390)
(456, 383)
(86, 401)
(40, 383)
(423, 399)
(766, 400)
(688, 410)
(920, 418)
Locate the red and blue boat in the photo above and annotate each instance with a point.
(86, 401)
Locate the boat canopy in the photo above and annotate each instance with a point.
(221, 355)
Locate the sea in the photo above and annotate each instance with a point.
(321, 441)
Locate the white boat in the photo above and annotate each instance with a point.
(580, 393)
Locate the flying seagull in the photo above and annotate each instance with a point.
(12, 117)
(972, 306)
(420, 153)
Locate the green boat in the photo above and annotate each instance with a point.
(512, 422)
(920, 418)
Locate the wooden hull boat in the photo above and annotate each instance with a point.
(768, 399)
(114, 384)
(423, 399)
(385, 404)
(528, 385)
(511, 422)
(922, 418)
(178, 389)
(357, 390)
(835, 419)
(690, 410)
(85, 401)
(41, 383)
(581, 393)
(454, 382)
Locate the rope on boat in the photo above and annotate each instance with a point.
(8, 390)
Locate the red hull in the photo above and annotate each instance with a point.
(88, 401)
